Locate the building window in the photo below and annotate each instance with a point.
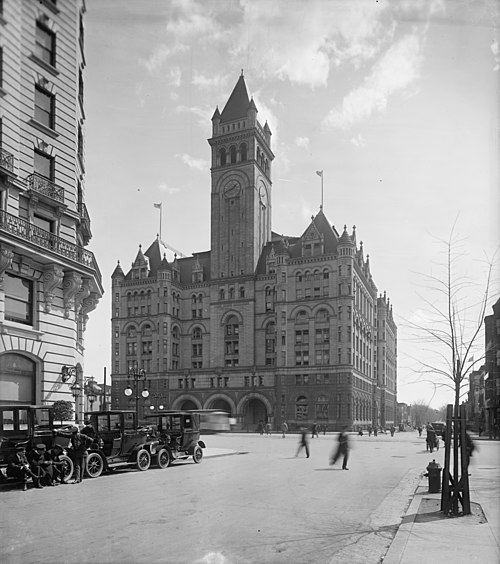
(44, 107)
(45, 44)
(322, 408)
(44, 164)
(301, 408)
(17, 385)
(270, 344)
(231, 341)
(18, 299)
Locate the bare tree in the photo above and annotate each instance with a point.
(450, 328)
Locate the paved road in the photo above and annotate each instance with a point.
(261, 506)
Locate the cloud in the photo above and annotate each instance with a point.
(196, 164)
(302, 142)
(495, 49)
(175, 76)
(358, 141)
(207, 82)
(394, 72)
(160, 55)
(163, 187)
(204, 114)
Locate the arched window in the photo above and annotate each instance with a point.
(231, 293)
(298, 277)
(322, 315)
(223, 157)
(193, 299)
(301, 408)
(326, 274)
(243, 151)
(301, 316)
(196, 334)
(322, 407)
(270, 344)
(258, 154)
(242, 291)
(222, 294)
(232, 152)
(131, 332)
(17, 379)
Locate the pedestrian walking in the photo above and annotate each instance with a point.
(419, 431)
(375, 431)
(393, 430)
(284, 429)
(303, 442)
(260, 427)
(370, 431)
(342, 449)
(268, 428)
(314, 430)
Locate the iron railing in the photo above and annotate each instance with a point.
(6, 160)
(43, 185)
(37, 236)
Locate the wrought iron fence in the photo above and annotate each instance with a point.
(43, 185)
(29, 232)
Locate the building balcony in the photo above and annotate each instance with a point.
(85, 222)
(42, 185)
(27, 232)
(6, 161)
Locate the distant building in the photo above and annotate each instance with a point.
(49, 281)
(476, 400)
(492, 366)
(265, 326)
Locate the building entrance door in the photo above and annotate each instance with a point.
(254, 411)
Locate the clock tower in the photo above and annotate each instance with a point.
(241, 186)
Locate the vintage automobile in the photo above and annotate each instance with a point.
(178, 436)
(30, 425)
(118, 442)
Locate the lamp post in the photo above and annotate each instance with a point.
(90, 392)
(157, 397)
(137, 375)
(76, 390)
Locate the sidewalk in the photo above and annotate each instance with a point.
(425, 535)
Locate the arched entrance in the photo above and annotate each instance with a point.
(17, 379)
(220, 404)
(253, 412)
(188, 404)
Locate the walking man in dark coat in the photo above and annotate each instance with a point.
(303, 442)
(342, 449)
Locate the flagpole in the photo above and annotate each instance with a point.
(161, 213)
(322, 174)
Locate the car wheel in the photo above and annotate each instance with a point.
(197, 454)
(163, 458)
(95, 465)
(143, 460)
(67, 467)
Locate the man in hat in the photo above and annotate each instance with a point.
(79, 445)
(40, 466)
(18, 466)
(58, 475)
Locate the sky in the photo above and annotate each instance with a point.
(396, 101)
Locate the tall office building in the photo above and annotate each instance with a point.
(49, 281)
(265, 326)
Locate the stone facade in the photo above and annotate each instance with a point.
(49, 281)
(265, 326)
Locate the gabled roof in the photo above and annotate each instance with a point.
(118, 272)
(237, 105)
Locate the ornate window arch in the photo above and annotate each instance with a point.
(17, 379)
(301, 408)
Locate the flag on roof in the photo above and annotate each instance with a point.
(157, 206)
(319, 173)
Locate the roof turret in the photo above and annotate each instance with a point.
(118, 272)
(238, 103)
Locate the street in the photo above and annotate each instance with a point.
(262, 505)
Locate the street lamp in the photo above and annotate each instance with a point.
(76, 390)
(90, 392)
(138, 375)
(156, 397)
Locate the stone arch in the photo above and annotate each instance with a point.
(246, 399)
(180, 400)
(230, 313)
(218, 396)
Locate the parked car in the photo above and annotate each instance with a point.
(30, 425)
(178, 435)
(118, 442)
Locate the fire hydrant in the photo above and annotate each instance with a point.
(434, 475)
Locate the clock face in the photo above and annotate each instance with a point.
(232, 189)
